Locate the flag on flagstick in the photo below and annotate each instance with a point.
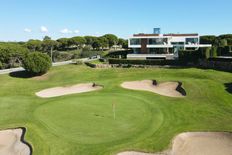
(113, 107)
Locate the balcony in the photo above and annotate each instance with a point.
(197, 45)
(150, 56)
(134, 46)
(160, 46)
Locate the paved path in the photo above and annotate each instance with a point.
(7, 71)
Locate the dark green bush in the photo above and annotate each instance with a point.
(62, 56)
(221, 59)
(224, 51)
(191, 56)
(90, 64)
(37, 63)
(214, 52)
(145, 62)
(86, 54)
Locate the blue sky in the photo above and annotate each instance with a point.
(24, 19)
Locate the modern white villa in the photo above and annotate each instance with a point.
(162, 46)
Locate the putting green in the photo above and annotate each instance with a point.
(90, 120)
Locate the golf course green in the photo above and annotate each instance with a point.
(113, 119)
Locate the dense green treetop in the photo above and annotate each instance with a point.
(34, 45)
(112, 39)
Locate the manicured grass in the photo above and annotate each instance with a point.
(83, 124)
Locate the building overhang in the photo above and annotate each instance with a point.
(147, 56)
(134, 46)
(159, 46)
(198, 46)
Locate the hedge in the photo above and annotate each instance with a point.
(117, 54)
(219, 59)
(90, 64)
(145, 62)
(224, 51)
(187, 56)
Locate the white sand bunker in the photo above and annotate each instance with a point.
(60, 91)
(171, 89)
(197, 143)
(11, 143)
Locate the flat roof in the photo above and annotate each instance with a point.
(171, 35)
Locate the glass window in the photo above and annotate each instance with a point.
(135, 41)
(190, 41)
(136, 50)
(177, 43)
(158, 51)
(158, 41)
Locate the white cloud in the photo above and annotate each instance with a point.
(97, 34)
(65, 31)
(43, 29)
(76, 31)
(27, 30)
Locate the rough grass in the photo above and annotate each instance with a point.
(83, 124)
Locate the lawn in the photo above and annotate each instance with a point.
(84, 124)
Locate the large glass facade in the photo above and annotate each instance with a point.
(177, 43)
(137, 50)
(135, 41)
(160, 50)
(190, 41)
(157, 41)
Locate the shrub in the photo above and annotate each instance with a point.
(62, 56)
(85, 54)
(37, 63)
(75, 54)
(224, 51)
(86, 48)
(207, 53)
(90, 64)
(214, 52)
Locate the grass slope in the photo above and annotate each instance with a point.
(84, 123)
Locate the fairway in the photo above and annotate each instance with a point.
(84, 123)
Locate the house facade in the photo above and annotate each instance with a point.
(162, 46)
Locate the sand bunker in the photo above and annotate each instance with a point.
(60, 91)
(197, 143)
(171, 89)
(11, 143)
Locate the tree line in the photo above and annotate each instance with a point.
(221, 45)
(12, 53)
(15, 54)
(92, 42)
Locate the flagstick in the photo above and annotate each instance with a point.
(114, 110)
